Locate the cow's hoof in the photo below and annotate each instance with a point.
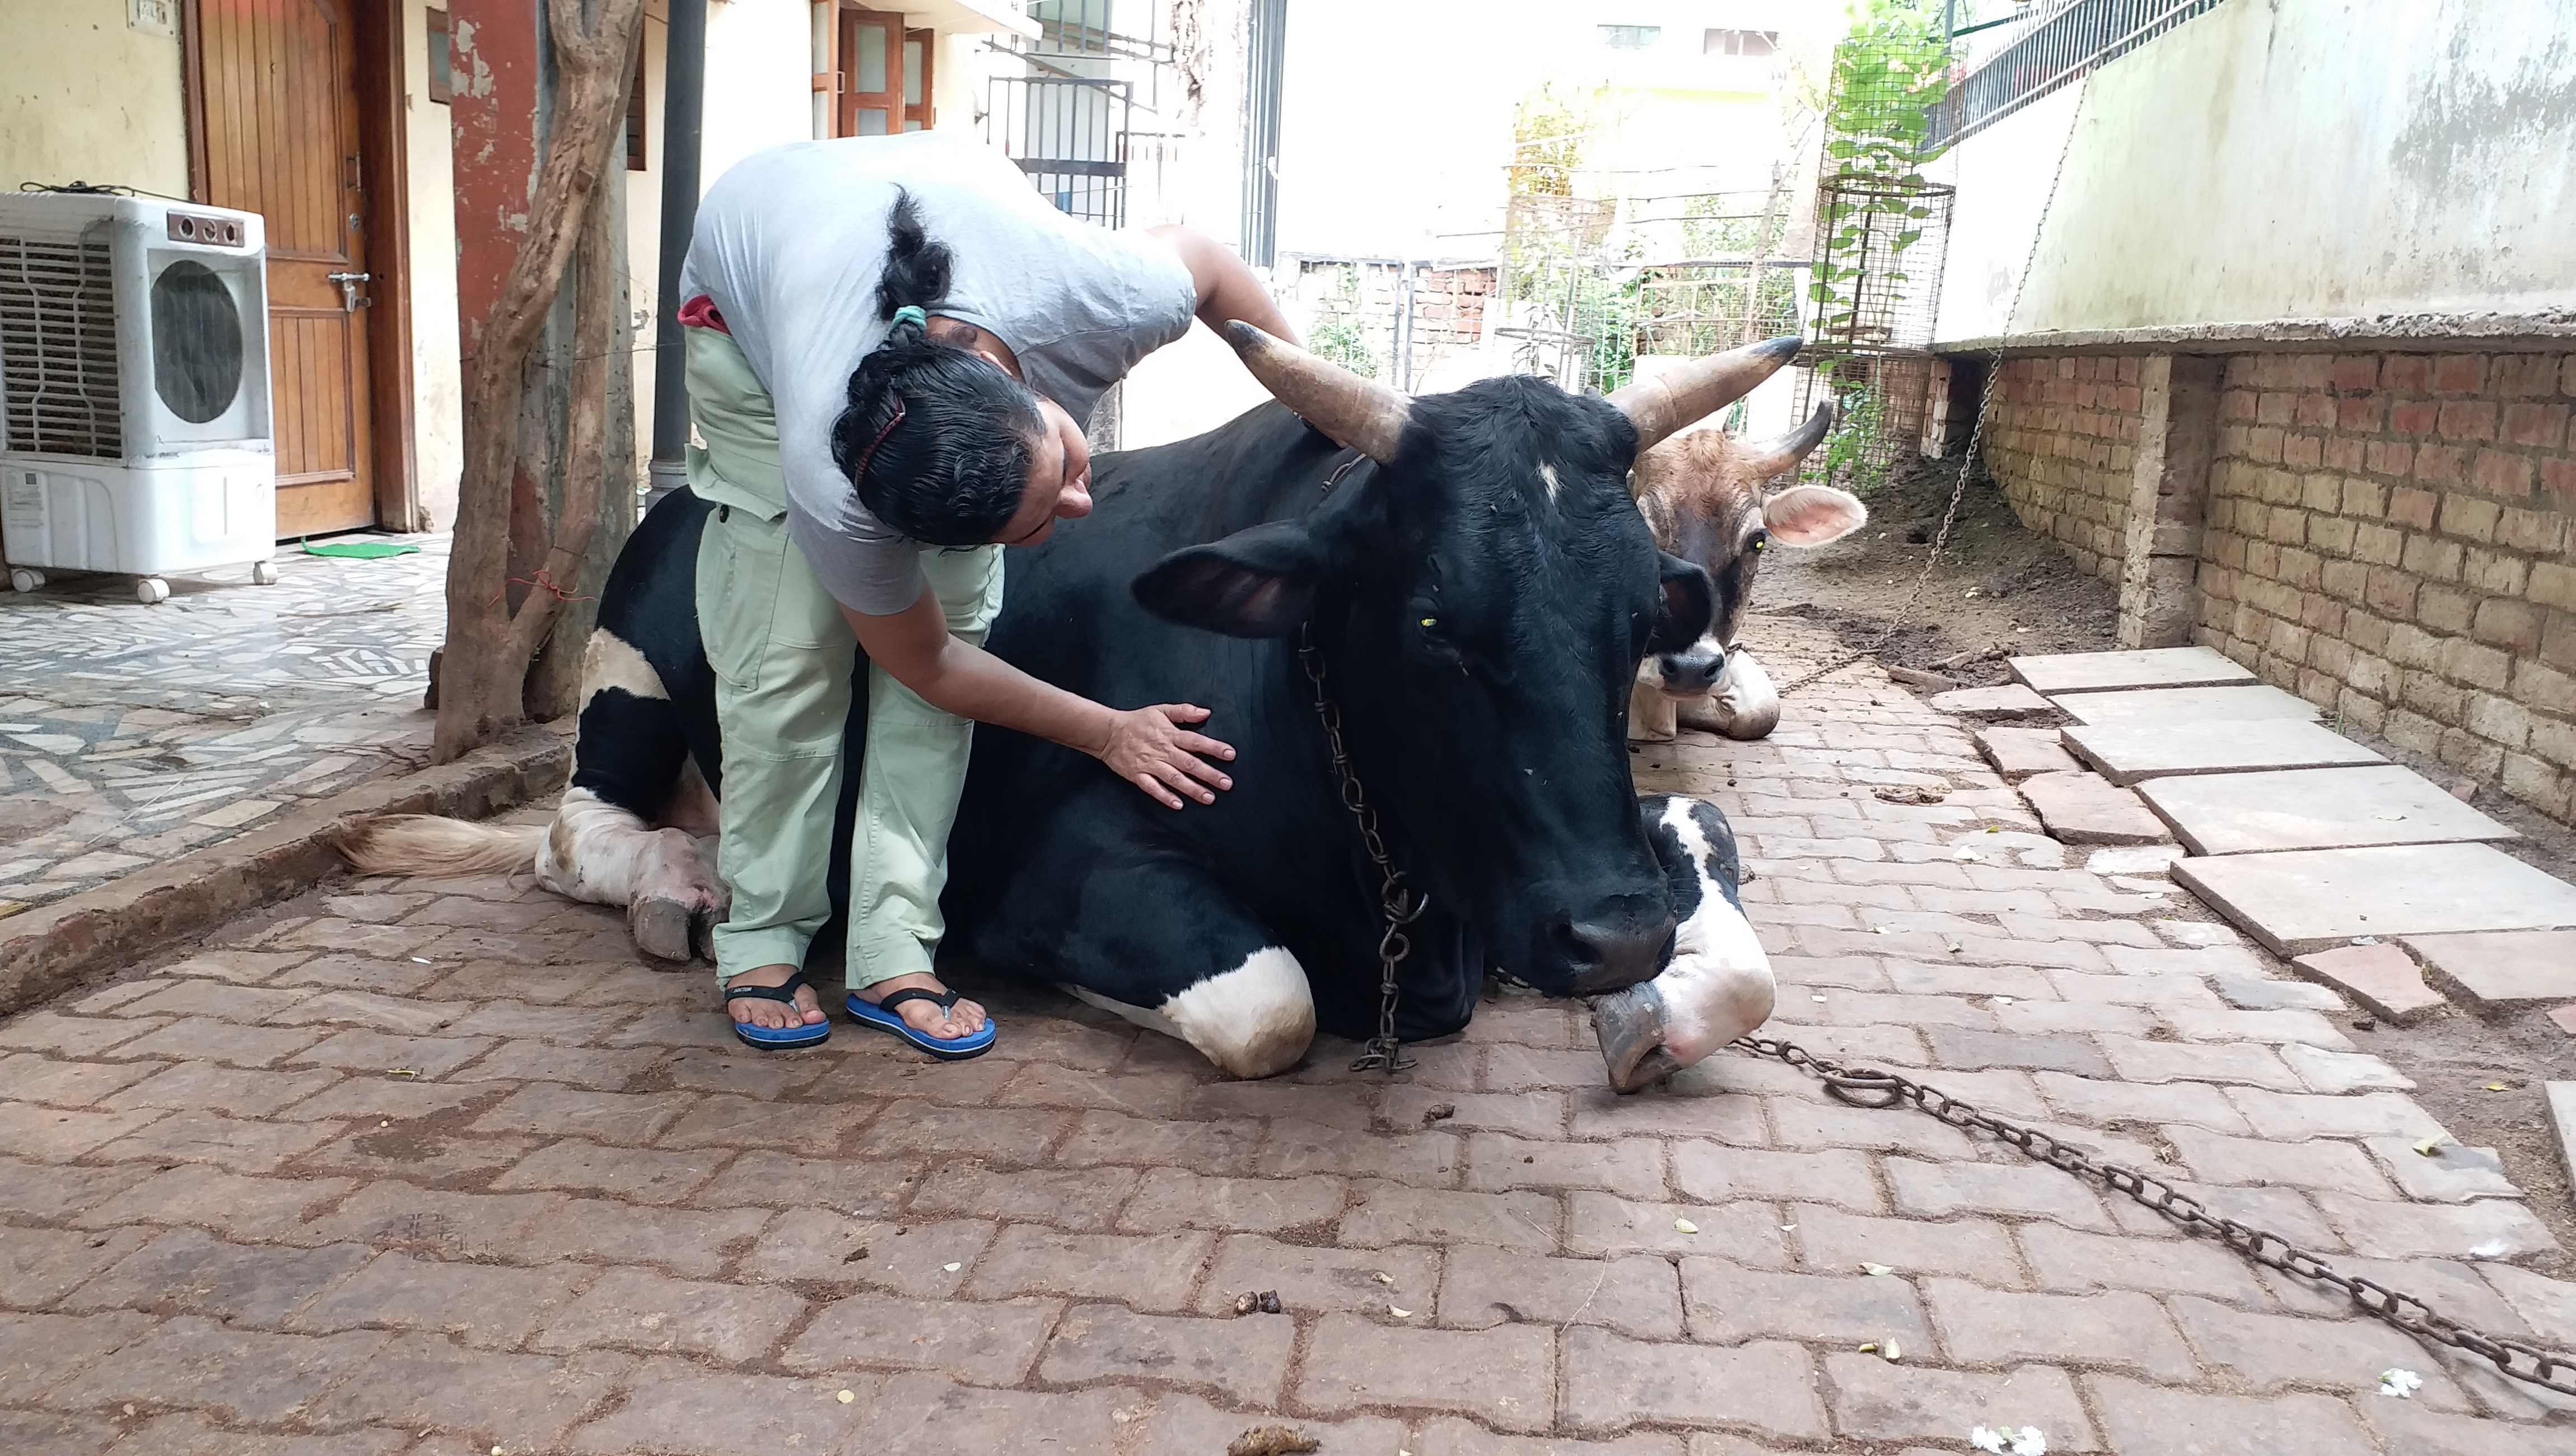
(662, 927)
(1630, 1024)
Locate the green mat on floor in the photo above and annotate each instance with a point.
(359, 550)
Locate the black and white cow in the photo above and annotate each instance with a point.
(1478, 588)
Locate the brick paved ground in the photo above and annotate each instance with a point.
(440, 1167)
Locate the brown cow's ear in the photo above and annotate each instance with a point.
(1811, 515)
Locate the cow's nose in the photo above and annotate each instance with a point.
(1692, 673)
(1615, 946)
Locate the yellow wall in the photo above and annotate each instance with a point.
(83, 96)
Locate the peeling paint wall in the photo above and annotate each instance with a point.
(84, 95)
(2285, 159)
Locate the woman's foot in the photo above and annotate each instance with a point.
(772, 1015)
(961, 1020)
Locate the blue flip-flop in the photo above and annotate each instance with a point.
(881, 1015)
(772, 1038)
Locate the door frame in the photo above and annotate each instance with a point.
(384, 218)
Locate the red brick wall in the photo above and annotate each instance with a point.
(2058, 440)
(2389, 537)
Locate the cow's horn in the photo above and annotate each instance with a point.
(1364, 415)
(1773, 456)
(1660, 406)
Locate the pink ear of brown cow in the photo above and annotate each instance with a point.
(1811, 515)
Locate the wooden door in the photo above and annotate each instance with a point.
(871, 79)
(277, 113)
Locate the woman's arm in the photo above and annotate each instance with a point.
(1148, 747)
(1228, 289)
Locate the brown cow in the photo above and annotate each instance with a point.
(1702, 493)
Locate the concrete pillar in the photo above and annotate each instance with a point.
(2168, 498)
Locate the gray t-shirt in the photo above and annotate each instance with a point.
(789, 245)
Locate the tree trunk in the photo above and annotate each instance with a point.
(494, 631)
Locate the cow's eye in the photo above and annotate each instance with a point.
(1761, 541)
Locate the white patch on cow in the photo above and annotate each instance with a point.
(1651, 710)
(1253, 1021)
(609, 661)
(599, 853)
(1719, 985)
(1743, 705)
(1547, 473)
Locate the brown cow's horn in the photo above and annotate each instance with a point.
(1359, 413)
(1773, 456)
(1659, 407)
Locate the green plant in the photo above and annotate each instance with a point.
(1338, 334)
(1888, 75)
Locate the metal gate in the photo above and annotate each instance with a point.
(1069, 134)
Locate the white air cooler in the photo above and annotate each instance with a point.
(134, 398)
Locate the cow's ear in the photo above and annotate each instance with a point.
(1255, 583)
(1683, 608)
(1811, 515)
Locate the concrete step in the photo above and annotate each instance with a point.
(2155, 667)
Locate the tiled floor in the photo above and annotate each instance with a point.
(131, 733)
(437, 1167)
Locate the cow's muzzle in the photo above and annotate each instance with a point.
(1693, 672)
(1612, 950)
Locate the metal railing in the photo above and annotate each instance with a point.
(2056, 50)
(1069, 134)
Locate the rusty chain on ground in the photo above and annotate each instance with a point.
(1976, 429)
(2553, 1370)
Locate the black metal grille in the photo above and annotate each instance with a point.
(2063, 47)
(1265, 80)
(58, 377)
(1069, 134)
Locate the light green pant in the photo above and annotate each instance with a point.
(782, 655)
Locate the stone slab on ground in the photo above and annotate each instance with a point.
(2011, 700)
(2562, 1115)
(2382, 978)
(2314, 808)
(2158, 707)
(2501, 969)
(2299, 901)
(2017, 753)
(2080, 808)
(2125, 753)
(2153, 667)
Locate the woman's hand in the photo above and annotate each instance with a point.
(1149, 747)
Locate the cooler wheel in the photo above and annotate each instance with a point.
(151, 590)
(21, 579)
(264, 572)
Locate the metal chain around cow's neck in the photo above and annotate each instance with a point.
(1976, 431)
(1869, 1087)
(1397, 902)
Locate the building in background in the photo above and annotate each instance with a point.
(2279, 294)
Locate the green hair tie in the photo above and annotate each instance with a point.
(910, 313)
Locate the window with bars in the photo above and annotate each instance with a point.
(1739, 42)
(1630, 37)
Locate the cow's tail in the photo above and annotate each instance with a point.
(424, 844)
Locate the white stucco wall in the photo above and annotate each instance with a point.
(85, 96)
(2285, 160)
(438, 388)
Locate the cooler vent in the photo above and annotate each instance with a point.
(58, 349)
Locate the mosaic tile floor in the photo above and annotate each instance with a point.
(131, 733)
